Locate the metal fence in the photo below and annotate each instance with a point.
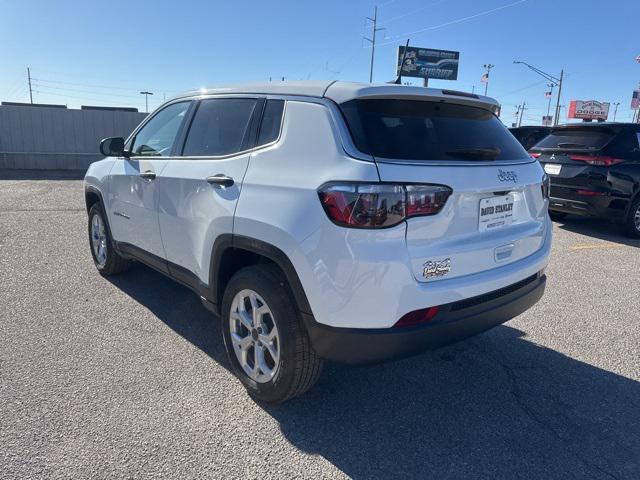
(50, 138)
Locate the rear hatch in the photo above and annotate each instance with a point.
(576, 160)
(496, 213)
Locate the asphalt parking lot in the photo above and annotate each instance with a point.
(127, 377)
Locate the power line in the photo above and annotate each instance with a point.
(75, 90)
(413, 12)
(452, 22)
(92, 85)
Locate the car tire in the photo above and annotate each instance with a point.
(555, 215)
(273, 367)
(632, 222)
(106, 259)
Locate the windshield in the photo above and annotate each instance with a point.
(426, 130)
(576, 139)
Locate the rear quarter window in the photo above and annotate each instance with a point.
(426, 130)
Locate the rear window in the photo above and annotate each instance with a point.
(576, 139)
(424, 130)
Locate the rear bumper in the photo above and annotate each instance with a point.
(604, 206)
(454, 322)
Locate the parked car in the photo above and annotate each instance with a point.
(595, 171)
(529, 135)
(327, 220)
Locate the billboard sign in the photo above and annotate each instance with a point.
(588, 109)
(428, 63)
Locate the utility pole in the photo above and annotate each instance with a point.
(615, 110)
(372, 40)
(488, 66)
(521, 108)
(146, 100)
(558, 101)
(552, 79)
(29, 78)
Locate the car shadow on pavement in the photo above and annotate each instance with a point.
(494, 406)
(597, 228)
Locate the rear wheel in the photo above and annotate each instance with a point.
(266, 342)
(555, 215)
(106, 259)
(632, 223)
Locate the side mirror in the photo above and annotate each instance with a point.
(112, 147)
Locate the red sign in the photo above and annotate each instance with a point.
(588, 109)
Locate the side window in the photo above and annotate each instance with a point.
(156, 138)
(220, 127)
(625, 145)
(271, 121)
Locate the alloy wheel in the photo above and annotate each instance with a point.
(99, 240)
(254, 336)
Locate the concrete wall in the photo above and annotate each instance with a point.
(46, 138)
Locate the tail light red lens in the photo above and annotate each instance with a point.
(534, 155)
(596, 160)
(417, 317)
(380, 205)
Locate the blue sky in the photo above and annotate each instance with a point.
(104, 52)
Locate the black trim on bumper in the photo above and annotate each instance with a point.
(455, 321)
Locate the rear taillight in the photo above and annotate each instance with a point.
(597, 160)
(535, 155)
(380, 205)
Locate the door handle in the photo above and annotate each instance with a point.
(221, 180)
(149, 175)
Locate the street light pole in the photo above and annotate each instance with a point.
(488, 66)
(615, 110)
(146, 100)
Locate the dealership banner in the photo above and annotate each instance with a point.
(428, 63)
(588, 109)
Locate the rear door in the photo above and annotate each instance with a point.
(200, 189)
(496, 214)
(133, 193)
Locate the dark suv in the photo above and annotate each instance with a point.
(529, 135)
(594, 170)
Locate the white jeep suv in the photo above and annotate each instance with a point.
(327, 220)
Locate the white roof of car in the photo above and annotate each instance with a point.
(340, 92)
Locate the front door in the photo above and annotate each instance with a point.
(133, 192)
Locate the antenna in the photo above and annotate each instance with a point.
(398, 80)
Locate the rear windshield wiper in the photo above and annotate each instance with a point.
(477, 153)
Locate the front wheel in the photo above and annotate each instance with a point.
(266, 342)
(632, 223)
(107, 260)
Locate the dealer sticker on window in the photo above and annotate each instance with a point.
(495, 212)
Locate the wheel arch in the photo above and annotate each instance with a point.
(92, 196)
(232, 252)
